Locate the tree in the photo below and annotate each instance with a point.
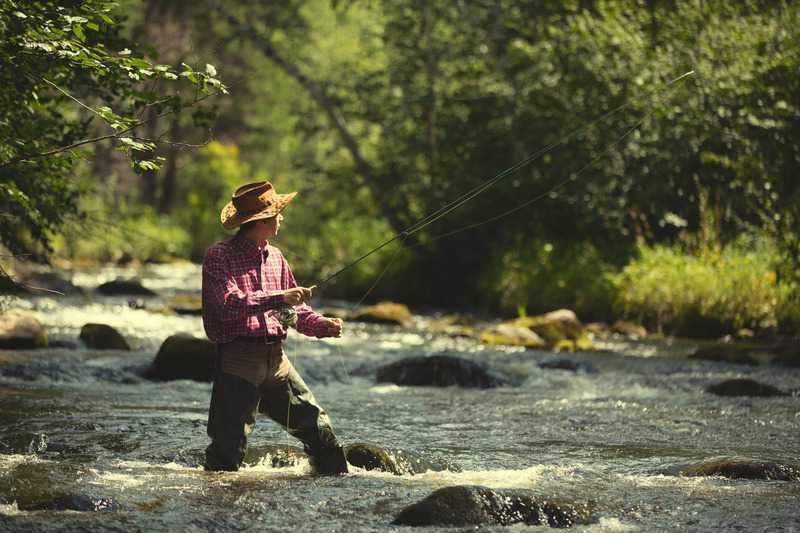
(70, 81)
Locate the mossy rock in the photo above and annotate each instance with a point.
(472, 505)
(454, 325)
(511, 334)
(629, 329)
(744, 387)
(744, 468)
(21, 330)
(103, 337)
(556, 327)
(184, 357)
(383, 313)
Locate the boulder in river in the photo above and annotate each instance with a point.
(438, 371)
(472, 505)
(744, 387)
(559, 329)
(373, 457)
(383, 313)
(21, 330)
(43, 282)
(186, 304)
(121, 286)
(509, 334)
(629, 329)
(557, 362)
(103, 337)
(183, 357)
(724, 354)
(744, 468)
(74, 502)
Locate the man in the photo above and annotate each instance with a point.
(247, 289)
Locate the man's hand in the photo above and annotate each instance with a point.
(297, 295)
(332, 327)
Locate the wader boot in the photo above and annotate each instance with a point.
(254, 378)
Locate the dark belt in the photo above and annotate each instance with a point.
(269, 339)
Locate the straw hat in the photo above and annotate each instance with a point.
(253, 201)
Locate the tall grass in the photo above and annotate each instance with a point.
(709, 291)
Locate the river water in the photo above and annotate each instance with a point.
(82, 422)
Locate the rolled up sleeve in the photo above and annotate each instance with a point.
(309, 322)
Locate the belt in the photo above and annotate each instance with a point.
(269, 339)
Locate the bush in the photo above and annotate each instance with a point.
(539, 276)
(710, 291)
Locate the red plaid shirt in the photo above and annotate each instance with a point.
(242, 285)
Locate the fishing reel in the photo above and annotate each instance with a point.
(287, 316)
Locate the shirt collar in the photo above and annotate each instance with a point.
(248, 247)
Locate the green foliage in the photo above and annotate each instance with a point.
(216, 172)
(709, 291)
(535, 276)
(64, 66)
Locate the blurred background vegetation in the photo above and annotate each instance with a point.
(381, 111)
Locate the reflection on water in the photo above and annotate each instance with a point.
(83, 423)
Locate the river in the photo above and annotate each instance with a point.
(82, 422)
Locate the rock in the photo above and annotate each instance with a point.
(454, 325)
(471, 505)
(74, 502)
(335, 312)
(744, 468)
(438, 371)
(276, 456)
(744, 387)
(373, 457)
(724, 354)
(125, 287)
(629, 329)
(103, 337)
(560, 329)
(383, 313)
(183, 357)
(186, 304)
(563, 363)
(50, 281)
(509, 334)
(20, 330)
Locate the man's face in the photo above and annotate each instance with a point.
(271, 226)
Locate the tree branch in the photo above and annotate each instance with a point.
(319, 95)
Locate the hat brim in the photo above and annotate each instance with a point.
(232, 219)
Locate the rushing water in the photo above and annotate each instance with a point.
(78, 421)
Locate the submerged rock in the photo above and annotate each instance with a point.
(471, 505)
(276, 456)
(103, 337)
(42, 282)
(183, 357)
(125, 287)
(74, 502)
(438, 371)
(21, 330)
(744, 387)
(373, 457)
(383, 313)
(564, 363)
(744, 468)
(724, 354)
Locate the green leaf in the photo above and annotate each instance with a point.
(78, 31)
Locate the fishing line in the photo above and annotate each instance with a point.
(474, 192)
(573, 177)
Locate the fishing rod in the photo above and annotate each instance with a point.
(479, 189)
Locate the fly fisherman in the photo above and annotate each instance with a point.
(248, 295)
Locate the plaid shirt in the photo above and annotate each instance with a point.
(242, 285)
